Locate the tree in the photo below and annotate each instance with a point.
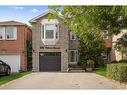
(91, 48)
(121, 45)
(89, 21)
(93, 18)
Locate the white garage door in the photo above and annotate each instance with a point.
(13, 61)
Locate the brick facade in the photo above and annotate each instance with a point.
(17, 46)
(63, 44)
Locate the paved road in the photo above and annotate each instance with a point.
(60, 81)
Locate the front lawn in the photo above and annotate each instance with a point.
(101, 71)
(5, 79)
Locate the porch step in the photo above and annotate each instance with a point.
(74, 66)
(78, 69)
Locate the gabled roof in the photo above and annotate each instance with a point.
(43, 14)
(11, 23)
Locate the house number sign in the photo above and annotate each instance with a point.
(49, 47)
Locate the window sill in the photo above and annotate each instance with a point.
(72, 39)
(2, 39)
(10, 39)
(73, 62)
(49, 41)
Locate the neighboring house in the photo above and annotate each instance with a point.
(117, 56)
(108, 45)
(14, 39)
(111, 54)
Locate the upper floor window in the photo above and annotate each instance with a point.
(105, 34)
(50, 31)
(8, 33)
(72, 36)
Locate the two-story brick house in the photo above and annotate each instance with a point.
(14, 39)
(54, 46)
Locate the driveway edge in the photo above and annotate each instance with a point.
(13, 81)
(116, 83)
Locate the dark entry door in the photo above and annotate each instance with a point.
(50, 61)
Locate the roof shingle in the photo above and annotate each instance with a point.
(12, 23)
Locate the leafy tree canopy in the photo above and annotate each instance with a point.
(93, 18)
(89, 21)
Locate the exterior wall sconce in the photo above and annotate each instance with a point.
(33, 51)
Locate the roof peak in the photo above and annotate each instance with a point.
(41, 15)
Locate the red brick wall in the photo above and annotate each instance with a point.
(17, 46)
(108, 42)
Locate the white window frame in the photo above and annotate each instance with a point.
(15, 33)
(55, 30)
(76, 56)
(3, 33)
(105, 31)
(71, 34)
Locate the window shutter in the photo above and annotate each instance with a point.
(42, 31)
(57, 31)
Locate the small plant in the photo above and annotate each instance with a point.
(89, 65)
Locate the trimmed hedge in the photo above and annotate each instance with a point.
(117, 72)
(121, 61)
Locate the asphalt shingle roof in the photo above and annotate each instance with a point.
(12, 23)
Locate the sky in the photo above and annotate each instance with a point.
(20, 13)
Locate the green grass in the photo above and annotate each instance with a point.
(101, 71)
(5, 79)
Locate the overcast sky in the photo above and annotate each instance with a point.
(20, 13)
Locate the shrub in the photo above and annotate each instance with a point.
(123, 61)
(114, 61)
(117, 72)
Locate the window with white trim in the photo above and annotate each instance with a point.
(105, 34)
(8, 33)
(72, 36)
(73, 55)
(50, 31)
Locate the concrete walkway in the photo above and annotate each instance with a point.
(60, 81)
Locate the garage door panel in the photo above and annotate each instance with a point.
(13, 61)
(50, 61)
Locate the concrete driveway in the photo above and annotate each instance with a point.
(61, 81)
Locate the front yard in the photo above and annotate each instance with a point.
(5, 79)
(101, 71)
(115, 71)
